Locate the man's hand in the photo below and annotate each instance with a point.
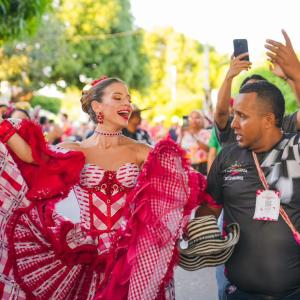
(277, 71)
(284, 56)
(237, 65)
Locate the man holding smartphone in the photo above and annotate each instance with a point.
(255, 179)
(231, 172)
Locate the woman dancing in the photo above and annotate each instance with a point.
(134, 202)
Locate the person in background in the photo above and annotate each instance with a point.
(174, 131)
(35, 113)
(3, 110)
(214, 148)
(195, 140)
(133, 130)
(66, 126)
(83, 130)
(53, 133)
(19, 113)
(214, 143)
(158, 131)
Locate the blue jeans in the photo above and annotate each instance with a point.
(231, 292)
(222, 281)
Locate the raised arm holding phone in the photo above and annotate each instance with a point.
(237, 65)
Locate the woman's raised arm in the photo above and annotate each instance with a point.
(16, 143)
(20, 148)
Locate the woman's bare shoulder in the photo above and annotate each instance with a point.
(140, 149)
(70, 146)
(143, 147)
(136, 144)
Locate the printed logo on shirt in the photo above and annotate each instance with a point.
(235, 172)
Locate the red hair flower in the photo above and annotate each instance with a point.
(96, 81)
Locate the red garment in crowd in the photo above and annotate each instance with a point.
(124, 246)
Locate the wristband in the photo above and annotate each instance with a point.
(6, 131)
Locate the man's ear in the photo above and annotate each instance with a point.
(270, 120)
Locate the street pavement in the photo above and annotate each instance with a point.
(197, 285)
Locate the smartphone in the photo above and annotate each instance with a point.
(185, 121)
(240, 46)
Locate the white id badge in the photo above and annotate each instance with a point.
(267, 205)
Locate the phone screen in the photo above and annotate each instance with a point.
(240, 46)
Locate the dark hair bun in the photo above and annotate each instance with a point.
(85, 101)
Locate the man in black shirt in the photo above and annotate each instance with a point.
(265, 263)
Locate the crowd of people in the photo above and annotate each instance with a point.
(137, 192)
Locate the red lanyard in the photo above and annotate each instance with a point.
(260, 172)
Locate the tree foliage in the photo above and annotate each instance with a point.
(18, 17)
(178, 75)
(80, 41)
(48, 103)
(42, 54)
(102, 40)
(12, 66)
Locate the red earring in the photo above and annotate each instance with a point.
(100, 117)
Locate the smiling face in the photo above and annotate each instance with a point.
(250, 122)
(115, 105)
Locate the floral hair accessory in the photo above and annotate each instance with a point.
(93, 83)
(96, 81)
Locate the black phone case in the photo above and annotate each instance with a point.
(240, 46)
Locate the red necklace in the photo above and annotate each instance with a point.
(108, 133)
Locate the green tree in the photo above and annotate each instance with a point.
(82, 39)
(43, 52)
(12, 66)
(46, 52)
(19, 17)
(51, 104)
(102, 40)
(177, 67)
